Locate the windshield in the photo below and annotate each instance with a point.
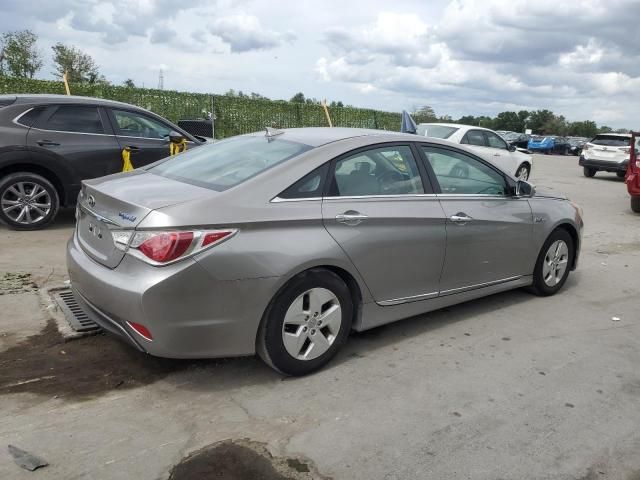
(435, 131)
(611, 140)
(227, 163)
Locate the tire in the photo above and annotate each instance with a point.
(621, 174)
(565, 151)
(635, 204)
(523, 171)
(17, 207)
(291, 315)
(547, 281)
(588, 171)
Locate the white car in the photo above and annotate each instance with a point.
(486, 143)
(607, 152)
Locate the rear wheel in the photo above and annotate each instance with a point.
(589, 172)
(553, 264)
(27, 201)
(306, 323)
(635, 204)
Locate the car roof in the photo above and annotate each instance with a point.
(317, 136)
(46, 99)
(628, 135)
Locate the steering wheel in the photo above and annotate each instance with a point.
(388, 182)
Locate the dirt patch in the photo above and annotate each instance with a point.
(12, 282)
(83, 368)
(241, 460)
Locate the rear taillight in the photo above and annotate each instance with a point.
(163, 247)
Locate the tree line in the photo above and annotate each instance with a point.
(20, 57)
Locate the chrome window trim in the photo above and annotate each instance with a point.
(396, 195)
(147, 138)
(304, 199)
(471, 195)
(478, 285)
(74, 133)
(413, 298)
(448, 196)
(15, 120)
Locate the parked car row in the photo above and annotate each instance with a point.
(49, 144)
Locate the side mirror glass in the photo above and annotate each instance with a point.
(525, 189)
(175, 137)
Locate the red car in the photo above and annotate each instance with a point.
(632, 177)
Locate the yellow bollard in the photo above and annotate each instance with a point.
(127, 166)
(177, 147)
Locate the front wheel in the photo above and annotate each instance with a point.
(553, 263)
(621, 174)
(523, 172)
(27, 201)
(306, 323)
(589, 172)
(635, 204)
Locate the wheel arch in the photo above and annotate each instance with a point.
(347, 277)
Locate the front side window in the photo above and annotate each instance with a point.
(461, 174)
(136, 125)
(494, 141)
(475, 137)
(388, 170)
(227, 163)
(75, 118)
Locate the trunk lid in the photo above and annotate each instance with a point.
(121, 202)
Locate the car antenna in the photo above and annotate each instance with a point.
(271, 133)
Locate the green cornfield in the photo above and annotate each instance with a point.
(233, 115)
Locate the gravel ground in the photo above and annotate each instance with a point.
(511, 386)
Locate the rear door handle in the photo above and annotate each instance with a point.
(47, 143)
(132, 148)
(351, 217)
(460, 218)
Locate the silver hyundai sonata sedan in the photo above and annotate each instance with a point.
(283, 242)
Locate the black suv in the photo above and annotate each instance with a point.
(50, 143)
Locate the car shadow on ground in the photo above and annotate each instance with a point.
(90, 367)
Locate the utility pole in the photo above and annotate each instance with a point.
(161, 80)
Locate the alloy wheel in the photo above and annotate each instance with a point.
(26, 203)
(555, 263)
(311, 324)
(523, 173)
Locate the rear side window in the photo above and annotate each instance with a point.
(227, 163)
(75, 118)
(611, 140)
(435, 131)
(30, 117)
(309, 186)
(475, 137)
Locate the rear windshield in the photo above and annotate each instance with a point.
(435, 131)
(611, 140)
(227, 163)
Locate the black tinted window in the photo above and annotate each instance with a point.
(474, 137)
(75, 118)
(309, 186)
(612, 140)
(29, 118)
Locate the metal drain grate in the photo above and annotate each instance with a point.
(76, 317)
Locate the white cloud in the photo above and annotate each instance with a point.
(244, 33)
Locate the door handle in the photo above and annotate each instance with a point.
(497, 154)
(47, 143)
(132, 148)
(351, 218)
(460, 218)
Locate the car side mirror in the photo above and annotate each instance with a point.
(175, 137)
(512, 148)
(525, 189)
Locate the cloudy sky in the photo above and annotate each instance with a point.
(579, 58)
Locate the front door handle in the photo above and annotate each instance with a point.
(351, 217)
(47, 143)
(132, 148)
(460, 218)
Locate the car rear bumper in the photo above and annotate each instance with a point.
(606, 165)
(188, 312)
